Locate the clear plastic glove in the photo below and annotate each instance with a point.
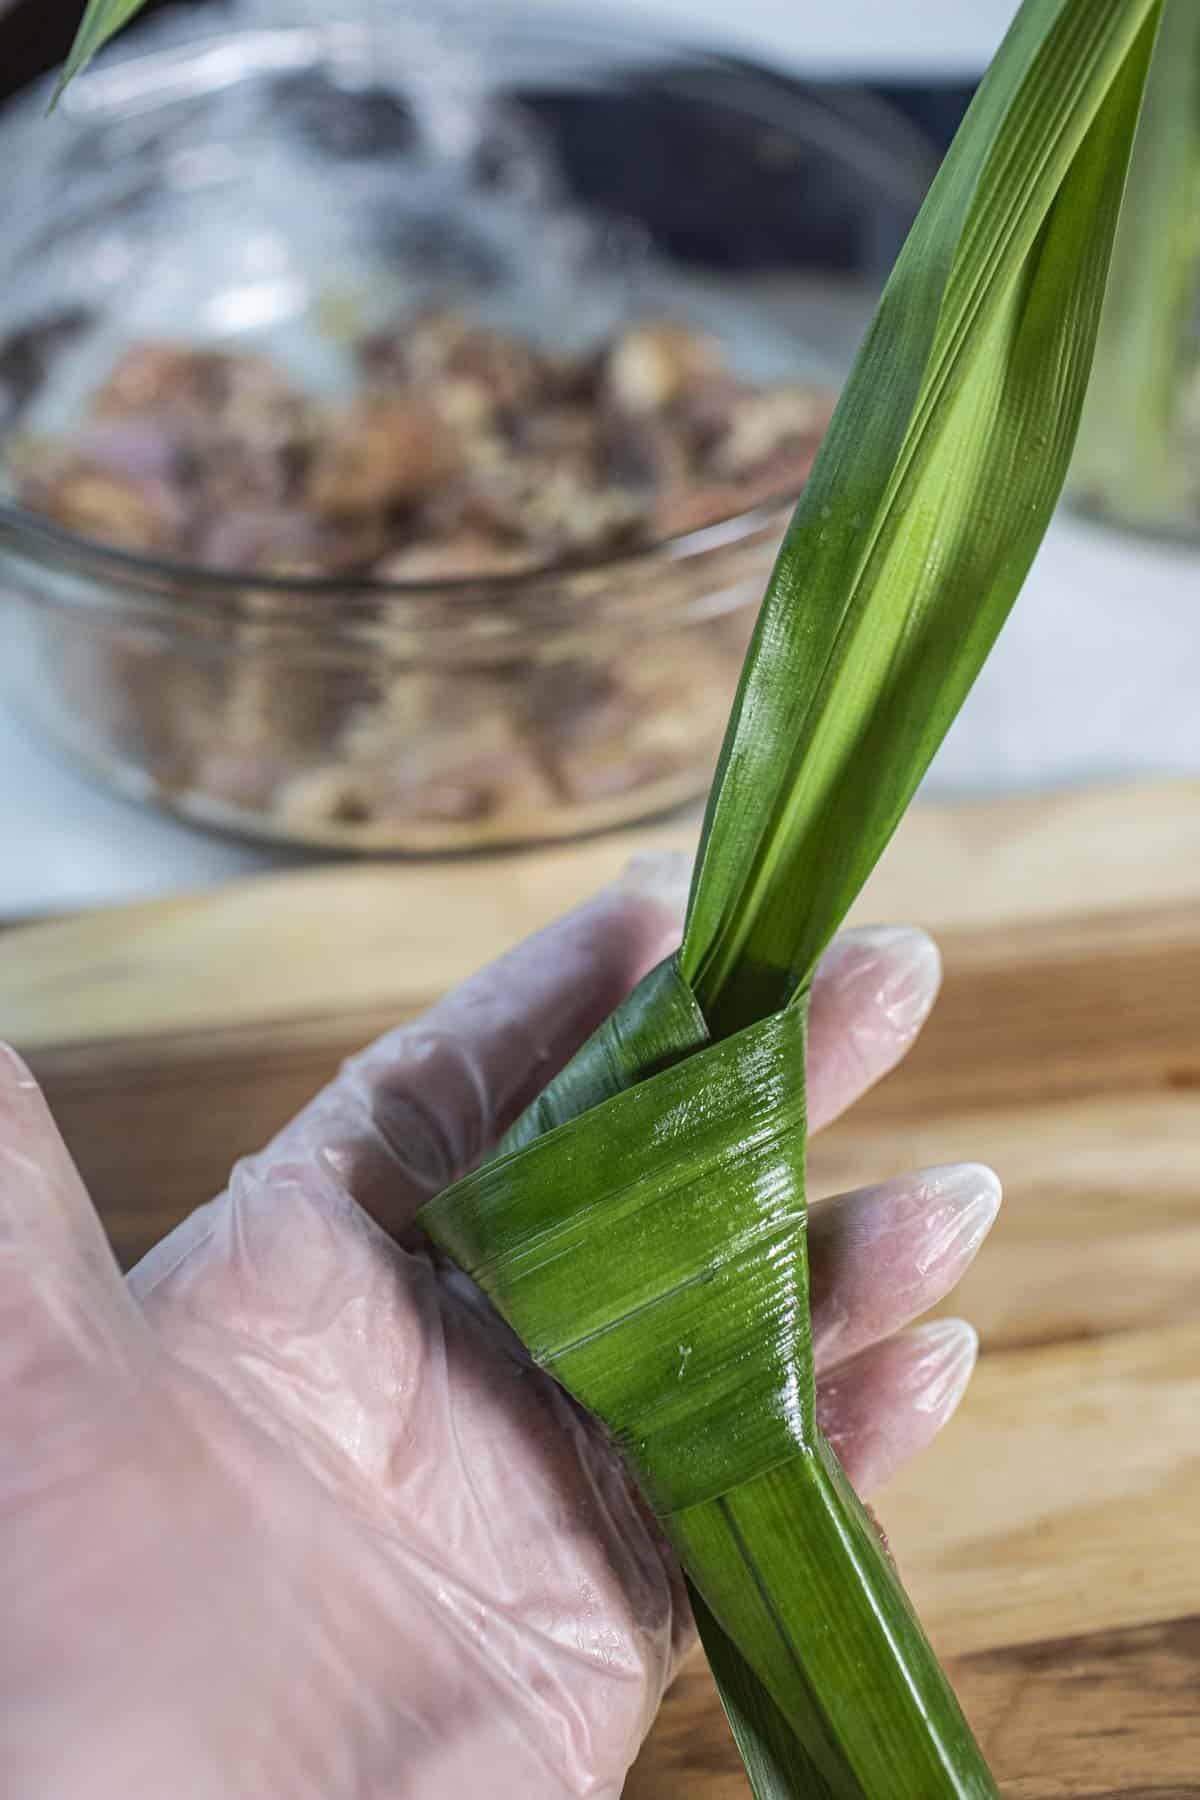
(289, 1514)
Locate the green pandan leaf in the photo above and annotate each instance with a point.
(930, 497)
(643, 1227)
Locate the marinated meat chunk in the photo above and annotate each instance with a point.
(464, 453)
(459, 435)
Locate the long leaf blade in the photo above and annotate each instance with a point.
(926, 506)
(828, 1682)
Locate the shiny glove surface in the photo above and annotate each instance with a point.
(289, 1513)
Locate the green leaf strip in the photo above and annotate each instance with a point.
(652, 1256)
(625, 1273)
(929, 499)
(659, 1023)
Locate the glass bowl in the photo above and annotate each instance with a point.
(285, 185)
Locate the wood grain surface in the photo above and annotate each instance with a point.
(1051, 1539)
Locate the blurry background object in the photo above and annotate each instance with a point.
(600, 289)
(928, 43)
(1138, 461)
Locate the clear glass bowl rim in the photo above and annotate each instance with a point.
(222, 592)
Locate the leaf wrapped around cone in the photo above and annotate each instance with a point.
(669, 1293)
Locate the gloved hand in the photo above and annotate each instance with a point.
(289, 1513)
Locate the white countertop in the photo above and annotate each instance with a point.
(1097, 676)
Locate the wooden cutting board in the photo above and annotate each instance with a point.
(1052, 1537)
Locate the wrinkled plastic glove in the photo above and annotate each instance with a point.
(290, 1514)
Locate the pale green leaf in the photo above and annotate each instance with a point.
(102, 20)
(1129, 461)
